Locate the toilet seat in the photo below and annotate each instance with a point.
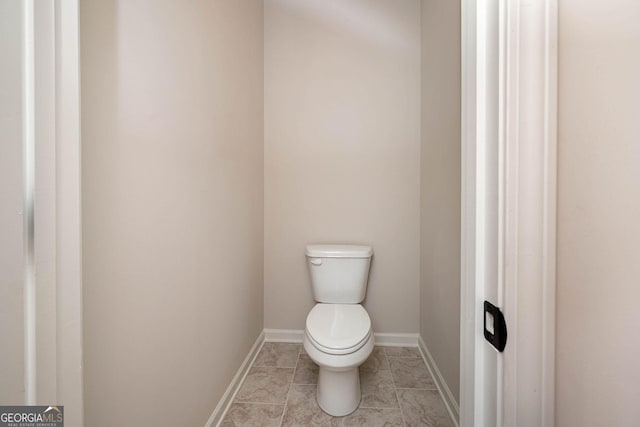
(338, 328)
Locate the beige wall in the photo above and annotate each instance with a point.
(598, 307)
(440, 187)
(172, 205)
(11, 203)
(342, 150)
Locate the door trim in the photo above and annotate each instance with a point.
(527, 208)
(51, 151)
(68, 213)
(468, 298)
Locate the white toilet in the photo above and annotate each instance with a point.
(338, 335)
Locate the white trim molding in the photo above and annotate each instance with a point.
(29, 164)
(45, 200)
(68, 213)
(385, 339)
(230, 393)
(509, 115)
(284, 335)
(529, 210)
(443, 388)
(470, 367)
(52, 214)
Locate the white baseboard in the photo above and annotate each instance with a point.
(382, 338)
(386, 339)
(449, 401)
(283, 335)
(230, 393)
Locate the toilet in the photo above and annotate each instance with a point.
(338, 335)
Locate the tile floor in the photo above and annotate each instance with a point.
(280, 390)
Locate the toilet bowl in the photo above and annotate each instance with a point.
(338, 338)
(338, 335)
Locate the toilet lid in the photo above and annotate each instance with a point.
(338, 326)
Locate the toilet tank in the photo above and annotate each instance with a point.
(339, 273)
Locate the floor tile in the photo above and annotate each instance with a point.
(410, 373)
(265, 384)
(402, 352)
(374, 417)
(423, 408)
(253, 414)
(377, 361)
(306, 371)
(281, 355)
(280, 389)
(303, 410)
(377, 390)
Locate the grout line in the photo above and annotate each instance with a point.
(405, 357)
(395, 390)
(259, 403)
(297, 363)
(284, 408)
(295, 368)
(286, 400)
(418, 356)
(379, 407)
(294, 372)
(415, 388)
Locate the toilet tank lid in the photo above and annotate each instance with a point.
(339, 251)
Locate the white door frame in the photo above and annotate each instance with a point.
(526, 207)
(53, 270)
(68, 212)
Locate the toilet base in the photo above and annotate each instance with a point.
(338, 391)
